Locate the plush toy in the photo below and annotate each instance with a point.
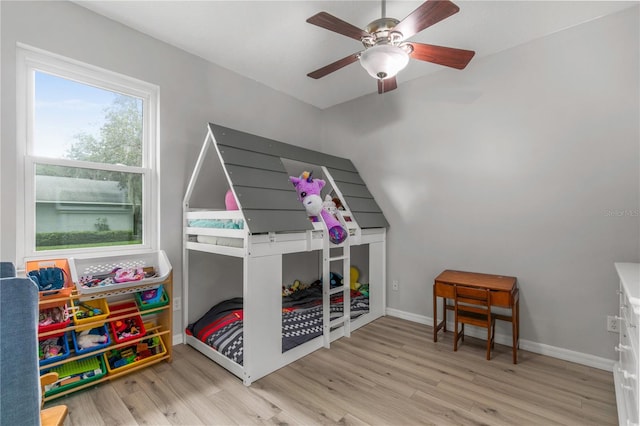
(354, 274)
(230, 201)
(335, 279)
(308, 190)
(87, 340)
(329, 204)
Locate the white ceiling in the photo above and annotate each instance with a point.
(270, 41)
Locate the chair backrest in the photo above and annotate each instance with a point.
(20, 399)
(472, 299)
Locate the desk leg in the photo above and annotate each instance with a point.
(444, 314)
(515, 330)
(443, 324)
(435, 315)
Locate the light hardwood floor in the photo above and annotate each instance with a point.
(388, 373)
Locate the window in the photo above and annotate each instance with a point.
(88, 139)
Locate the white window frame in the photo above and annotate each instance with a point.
(30, 60)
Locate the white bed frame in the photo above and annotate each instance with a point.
(262, 279)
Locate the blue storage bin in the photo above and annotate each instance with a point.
(102, 331)
(61, 343)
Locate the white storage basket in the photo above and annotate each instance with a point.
(81, 268)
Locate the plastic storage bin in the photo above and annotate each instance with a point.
(97, 331)
(53, 318)
(153, 295)
(131, 356)
(156, 302)
(121, 329)
(76, 373)
(93, 312)
(67, 288)
(58, 344)
(100, 274)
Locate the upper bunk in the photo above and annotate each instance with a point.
(269, 217)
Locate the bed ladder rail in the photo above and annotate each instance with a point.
(328, 292)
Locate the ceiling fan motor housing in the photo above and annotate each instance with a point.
(381, 32)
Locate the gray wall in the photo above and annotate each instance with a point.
(192, 92)
(518, 165)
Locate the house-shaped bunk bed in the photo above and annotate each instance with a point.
(263, 284)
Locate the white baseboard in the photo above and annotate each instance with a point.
(178, 339)
(527, 345)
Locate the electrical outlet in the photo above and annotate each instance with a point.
(177, 303)
(612, 324)
(395, 285)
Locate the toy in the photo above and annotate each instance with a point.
(338, 203)
(123, 275)
(230, 201)
(48, 278)
(87, 340)
(335, 279)
(87, 311)
(296, 286)
(52, 316)
(354, 274)
(125, 328)
(308, 190)
(329, 204)
(49, 348)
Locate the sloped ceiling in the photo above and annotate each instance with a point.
(270, 41)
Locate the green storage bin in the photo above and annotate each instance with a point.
(144, 306)
(87, 369)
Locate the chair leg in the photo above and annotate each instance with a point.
(455, 334)
(493, 334)
(489, 344)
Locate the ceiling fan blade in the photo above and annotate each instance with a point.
(331, 23)
(447, 56)
(427, 14)
(387, 85)
(335, 66)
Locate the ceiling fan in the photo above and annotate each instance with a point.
(386, 49)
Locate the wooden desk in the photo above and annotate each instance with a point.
(504, 293)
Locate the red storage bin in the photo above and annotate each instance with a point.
(129, 328)
(53, 318)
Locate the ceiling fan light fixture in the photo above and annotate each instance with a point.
(384, 60)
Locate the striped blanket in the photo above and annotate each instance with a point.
(221, 327)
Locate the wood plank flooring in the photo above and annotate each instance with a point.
(388, 373)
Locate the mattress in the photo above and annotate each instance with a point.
(217, 223)
(221, 327)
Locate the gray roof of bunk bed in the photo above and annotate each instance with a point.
(267, 197)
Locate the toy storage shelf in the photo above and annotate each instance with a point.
(159, 316)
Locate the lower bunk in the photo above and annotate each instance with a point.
(241, 312)
(219, 333)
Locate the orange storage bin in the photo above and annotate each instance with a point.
(67, 288)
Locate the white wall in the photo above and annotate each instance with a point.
(192, 92)
(512, 166)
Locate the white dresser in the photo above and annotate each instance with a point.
(627, 369)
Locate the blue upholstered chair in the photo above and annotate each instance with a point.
(21, 396)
